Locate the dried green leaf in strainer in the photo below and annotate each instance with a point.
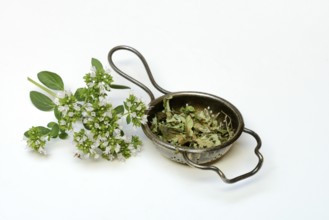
(190, 127)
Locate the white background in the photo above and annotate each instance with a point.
(269, 58)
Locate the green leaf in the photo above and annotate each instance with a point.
(115, 86)
(128, 119)
(57, 113)
(126, 106)
(119, 109)
(43, 130)
(86, 126)
(26, 134)
(51, 124)
(41, 101)
(97, 64)
(51, 80)
(80, 94)
(63, 135)
(54, 129)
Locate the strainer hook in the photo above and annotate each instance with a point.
(220, 173)
(126, 76)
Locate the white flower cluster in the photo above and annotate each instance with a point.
(35, 140)
(68, 108)
(101, 135)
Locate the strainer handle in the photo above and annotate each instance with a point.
(126, 76)
(220, 173)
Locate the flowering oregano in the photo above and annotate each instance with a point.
(100, 133)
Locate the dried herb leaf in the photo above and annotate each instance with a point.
(190, 127)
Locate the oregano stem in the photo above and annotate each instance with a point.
(42, 87)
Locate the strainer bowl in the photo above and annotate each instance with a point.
(194, 157)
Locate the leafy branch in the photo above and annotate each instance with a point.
(101, 134)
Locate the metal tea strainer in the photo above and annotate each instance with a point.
(198, 158)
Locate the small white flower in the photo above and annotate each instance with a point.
(102, 89)
(92, 71)
(111, 157)
(42, 151)
(107, 150)
(29, 142)
(62, 122)
(121, 158)
(88, 105)
(102, 101)
(116, 132)
(93, 114)
(128, 104)
(133, 152)
(133, 115)
(89, 109)
(109, 114)
(97, 125)
(137, 99)
(60, 94)
(144, 119)
(70, 114)
(139, 108)
(91, 84)
(117, 148)
(76, 107)
(56, 101)
(63, 109)
(131, 147)
(128, 139)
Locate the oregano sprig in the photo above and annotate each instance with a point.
(101, 134)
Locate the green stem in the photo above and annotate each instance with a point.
(42, 87)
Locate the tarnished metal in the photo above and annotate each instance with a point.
(191, 156)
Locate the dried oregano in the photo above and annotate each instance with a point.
(87, 114)
(191, 127)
